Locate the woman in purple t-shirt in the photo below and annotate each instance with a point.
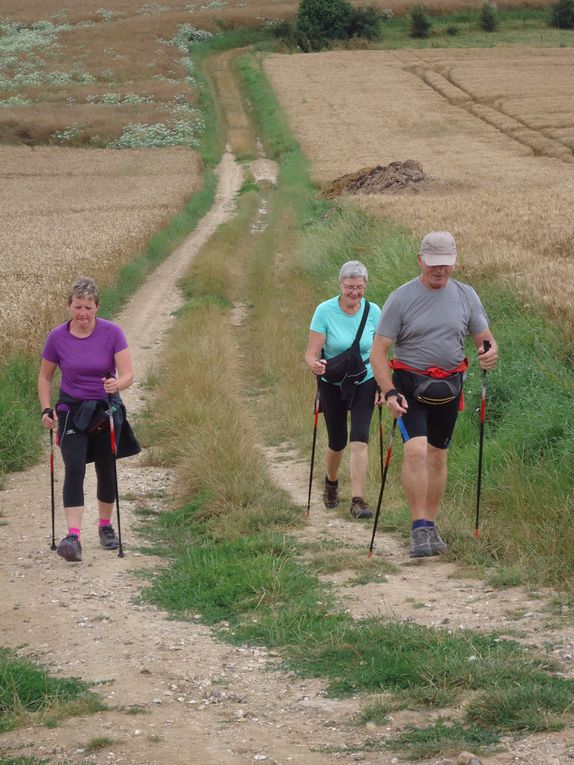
(88, 351)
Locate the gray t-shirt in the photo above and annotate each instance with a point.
(427, 326)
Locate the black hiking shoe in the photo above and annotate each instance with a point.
(331, 495)
(420, 543)
(108, 538)
(359, 508)
(70, 548)
(437, 544)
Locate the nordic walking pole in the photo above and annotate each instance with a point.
(486, 346)
(53, 545)
(115, 469)
(383, 481)
(381, 439)
(315, 421)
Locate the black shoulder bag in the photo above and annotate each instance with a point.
(347, 368)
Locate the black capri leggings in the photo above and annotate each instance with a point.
(74, 448)
(335, 409)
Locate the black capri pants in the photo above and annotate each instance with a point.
(335, 409)
(74, 448)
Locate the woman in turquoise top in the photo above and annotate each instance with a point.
(333, 328)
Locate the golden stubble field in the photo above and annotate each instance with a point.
(497, 125)
(67, 212)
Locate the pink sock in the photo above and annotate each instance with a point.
(104, 522)
(74, 531)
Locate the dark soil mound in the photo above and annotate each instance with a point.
(382, 179)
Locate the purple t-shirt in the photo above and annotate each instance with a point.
(83, 361)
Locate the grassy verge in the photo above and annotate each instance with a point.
(516, 26)
(20, 428)
(242, 329)
(29, 695)
(254, 590)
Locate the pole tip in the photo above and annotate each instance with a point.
(53, 546)
(476, 534)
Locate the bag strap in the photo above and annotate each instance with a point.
(357, 339)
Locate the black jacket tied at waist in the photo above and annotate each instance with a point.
(85, 414)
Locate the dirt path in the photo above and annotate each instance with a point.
(198, 699)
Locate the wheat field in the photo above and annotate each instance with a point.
(495, 125)
(67, 212)
(80, 77)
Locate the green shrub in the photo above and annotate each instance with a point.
(289, 34)
(420, 21)
(319, 22)
(489, 17)
(366, 22)
(562, 14)
(452, 30)
(323, 20)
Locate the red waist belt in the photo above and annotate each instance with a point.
(436, 372)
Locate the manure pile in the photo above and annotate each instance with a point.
(382, 179)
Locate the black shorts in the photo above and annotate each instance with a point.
(435, 422)
(335, 409)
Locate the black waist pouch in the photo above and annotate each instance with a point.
(433, 391)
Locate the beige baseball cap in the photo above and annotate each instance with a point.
(438, 248)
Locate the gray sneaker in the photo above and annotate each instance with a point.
(70, 548)
(437, 543)
(420, 543)
(108, 538)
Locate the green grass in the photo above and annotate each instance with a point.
(517, 26)
(19, 414)
(442, 737)
(99, 742)
(255, 590)
(27, 690)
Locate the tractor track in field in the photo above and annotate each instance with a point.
(175, 694)
(490, 111)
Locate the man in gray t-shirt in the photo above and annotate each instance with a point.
(427, 320)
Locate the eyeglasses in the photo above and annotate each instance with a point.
(360, 289)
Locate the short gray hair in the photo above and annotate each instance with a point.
(353, 269)
(84, 287)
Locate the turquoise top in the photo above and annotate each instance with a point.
(340, 329)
